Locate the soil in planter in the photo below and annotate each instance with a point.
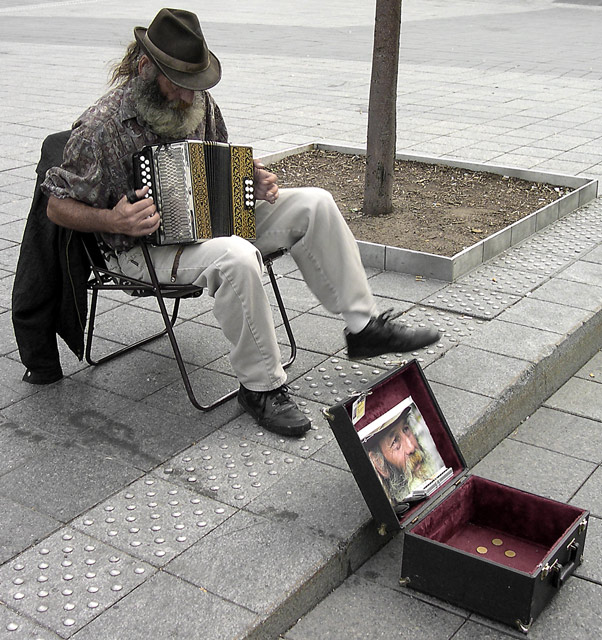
(437, 209)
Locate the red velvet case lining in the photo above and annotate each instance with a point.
(481, 510)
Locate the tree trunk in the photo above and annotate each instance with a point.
(381, 141)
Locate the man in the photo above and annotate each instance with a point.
(162, 96)
(400, 460)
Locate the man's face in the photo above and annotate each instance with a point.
(401, 449)
(171, 111)
(177, 97)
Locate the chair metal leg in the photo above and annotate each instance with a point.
(125, 349)
(287, 325)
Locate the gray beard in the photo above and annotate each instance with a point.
(165, 117)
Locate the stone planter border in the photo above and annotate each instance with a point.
(449, 269)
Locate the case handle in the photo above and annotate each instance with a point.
(562, 572)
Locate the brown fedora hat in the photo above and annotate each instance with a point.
(175, 43)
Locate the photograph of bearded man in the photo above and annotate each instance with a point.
(403, 454)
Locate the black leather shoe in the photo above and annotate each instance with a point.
(274, 410)
(382, 335)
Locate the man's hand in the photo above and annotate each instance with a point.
(135, 219)
(266, 183)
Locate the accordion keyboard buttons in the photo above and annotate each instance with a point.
(145, 175)
(249, 193)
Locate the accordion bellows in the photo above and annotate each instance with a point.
(201, 189)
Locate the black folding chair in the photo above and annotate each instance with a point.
(105, 279)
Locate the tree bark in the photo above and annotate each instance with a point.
(382, 106)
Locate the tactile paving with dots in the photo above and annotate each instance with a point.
(335, 379)
(554, 247)
(453, 328)
(228, 468)
(484, 294)
(154, 520)
(68, 579)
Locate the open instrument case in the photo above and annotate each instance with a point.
(475, 543)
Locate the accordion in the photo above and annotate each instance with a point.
(201, 189)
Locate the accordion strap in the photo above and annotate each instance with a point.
(176, 263)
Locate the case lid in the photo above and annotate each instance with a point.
(398, 445)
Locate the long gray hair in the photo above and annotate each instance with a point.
(127, 67)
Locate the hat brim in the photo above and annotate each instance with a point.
(201, 81)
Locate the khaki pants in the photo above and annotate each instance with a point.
(305, 221)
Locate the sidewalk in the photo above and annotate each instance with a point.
(127, 514)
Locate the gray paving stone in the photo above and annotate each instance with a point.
(167, 607)
(142, 435)
(304, 361)
(360, 609)
(460, 408)
(583, 271)
(65, 408)
(544, 315)
(14, 230)
(564, 433)
(12, 388)
(331, 454)
(475, 631)
(400, 286)
(19, 443)
(135, 375)
(574, 611)
(573, 294)
(21, 527)
(295, 293)
(590, 494)
(337, 513)
(595, 255)
(208, 386)
(128, 323)
(64, 480)
(517, 341)
(593, 369)
(535, 470)
(578, 396)
(8, 260)
(6, 286)
(199, 344)
(248, 561)
(477, 371)
(316, 333)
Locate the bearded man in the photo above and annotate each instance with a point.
(401, 461)
(161, 96)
